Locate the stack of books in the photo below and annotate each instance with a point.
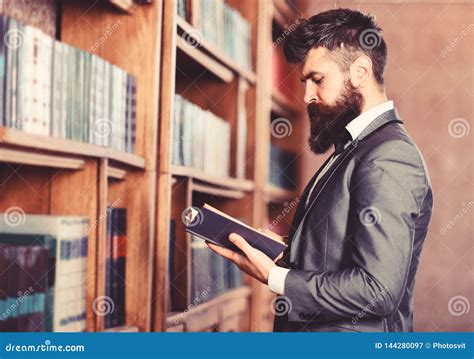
(50, 88)
(43, 266)
(211, 273)
(201, 140)
(224, 28)
(282, 167)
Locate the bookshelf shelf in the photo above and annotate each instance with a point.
(211, 313)
(123, 329)
(116, 173)
(277, 195)
(29, 157)
(227, 183)
(22, 140)
(202, 60)
(186, 28)
(216, 191)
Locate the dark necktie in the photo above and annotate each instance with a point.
(339, 145)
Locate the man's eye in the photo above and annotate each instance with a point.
(318, 81)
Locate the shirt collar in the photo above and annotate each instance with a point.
(357, 125)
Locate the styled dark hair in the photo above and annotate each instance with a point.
(346, 31)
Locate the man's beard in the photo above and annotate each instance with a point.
(328, 122)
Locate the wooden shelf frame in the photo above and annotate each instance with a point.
(72, 177)
(26, 142)
(231, 303)
(204, 46)
(123, 180)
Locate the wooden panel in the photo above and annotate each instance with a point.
(26, 187)
(23, 141)
(101, 224)
(236, 307)
(176, 328)
(38, 159)
(232, 324)
(75, 193)
(204, 320)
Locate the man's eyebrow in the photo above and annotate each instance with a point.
(310, 74)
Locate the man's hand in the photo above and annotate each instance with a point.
(252, 261)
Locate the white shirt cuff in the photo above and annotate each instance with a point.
(276, 279)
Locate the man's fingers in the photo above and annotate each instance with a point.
(224, 252)
(240, 243)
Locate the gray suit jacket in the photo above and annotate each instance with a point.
(354, 250)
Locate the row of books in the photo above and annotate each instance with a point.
(50, 88)
(116, 248)
(43, 266)
(201, 140)
(282, 167)
(210, 272)
(224, 28)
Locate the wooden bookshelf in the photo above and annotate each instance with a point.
(185, 28)
(22, 142)
(46, 175)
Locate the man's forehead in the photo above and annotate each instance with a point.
(317, 61)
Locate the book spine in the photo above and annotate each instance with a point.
(46, 84)
(3, 62)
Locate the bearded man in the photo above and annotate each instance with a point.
(358, 232)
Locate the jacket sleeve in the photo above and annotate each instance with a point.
(387, 189)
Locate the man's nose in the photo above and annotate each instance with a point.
(310, 94)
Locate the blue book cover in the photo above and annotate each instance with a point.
(215, 226)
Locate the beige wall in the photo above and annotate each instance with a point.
(431, 89)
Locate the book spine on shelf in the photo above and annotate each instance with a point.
(3, 64)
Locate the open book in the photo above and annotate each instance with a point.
(215, 226)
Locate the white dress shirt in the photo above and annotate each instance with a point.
(277, 276)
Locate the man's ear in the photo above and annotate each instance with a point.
(361, 71)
